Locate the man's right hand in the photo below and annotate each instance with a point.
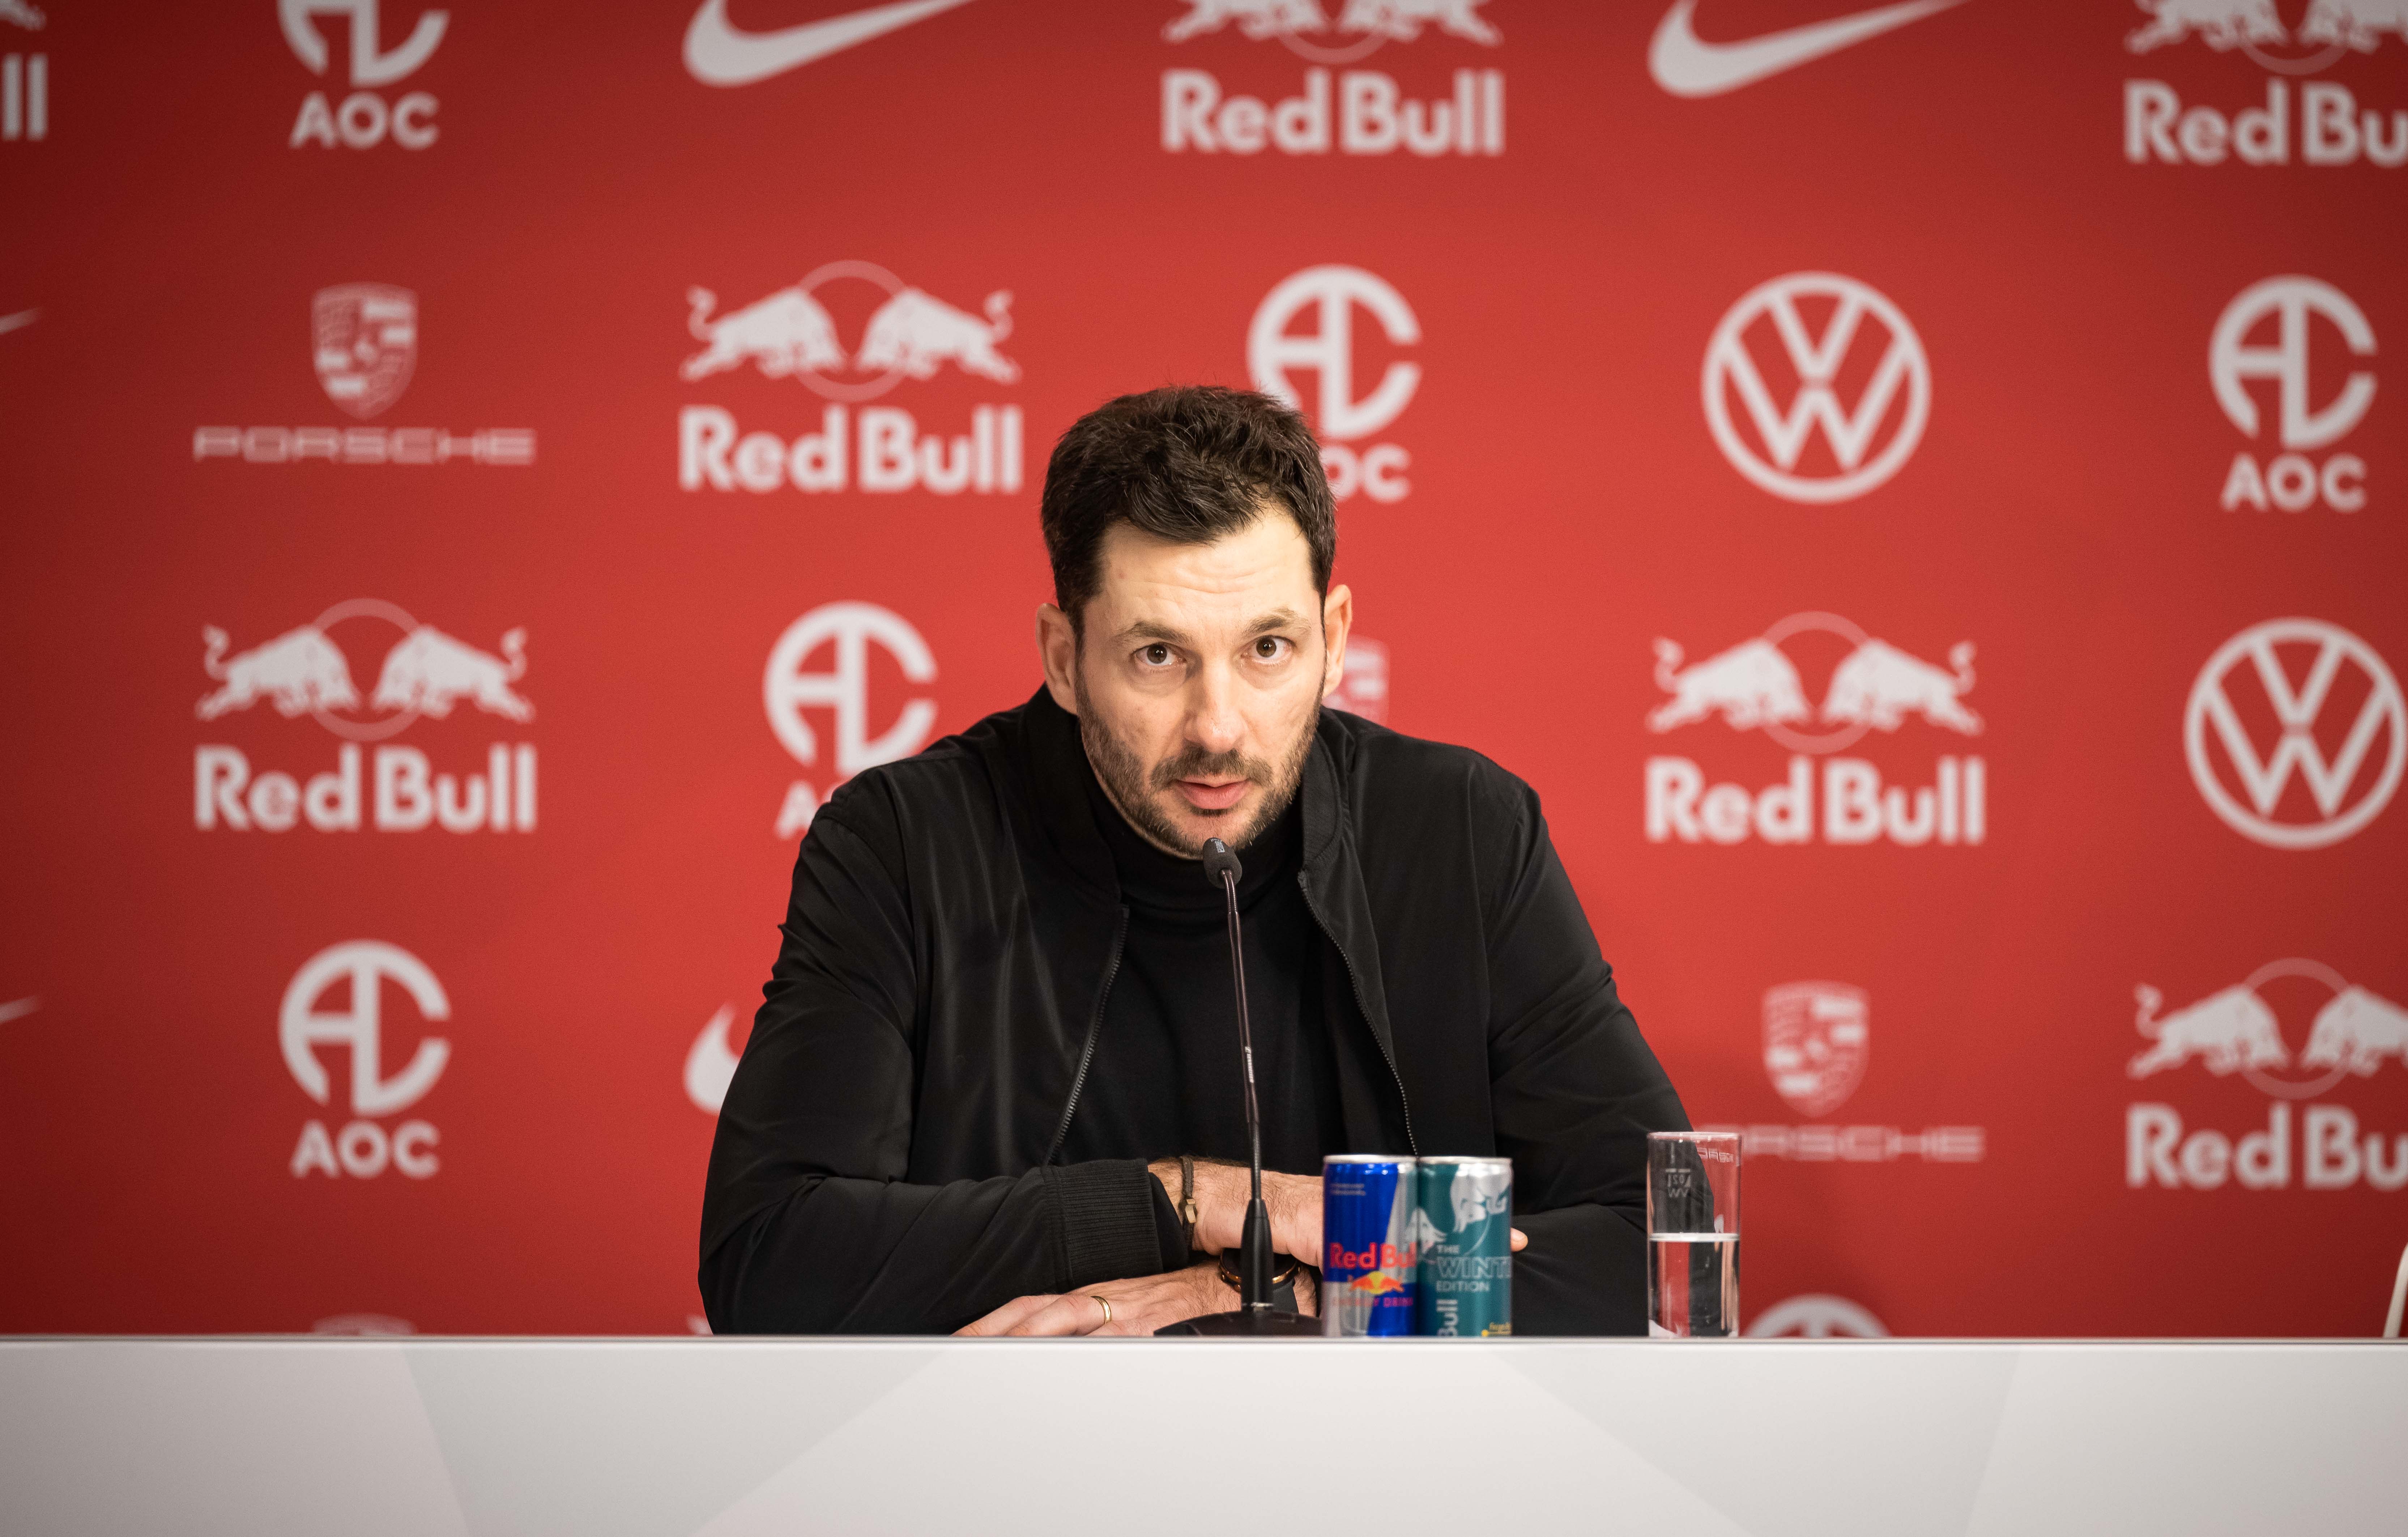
(1221, 1191)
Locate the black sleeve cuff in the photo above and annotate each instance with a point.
(1111, 1214)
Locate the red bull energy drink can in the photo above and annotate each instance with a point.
(1366, 1271)
(1463, 1229)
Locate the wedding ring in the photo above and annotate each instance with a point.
(1108, 1308)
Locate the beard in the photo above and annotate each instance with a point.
(1132, 786)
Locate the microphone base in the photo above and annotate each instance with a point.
(1247, 1323)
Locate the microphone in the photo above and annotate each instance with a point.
(1255, 1314)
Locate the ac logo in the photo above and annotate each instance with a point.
(787, 688)
(1863, 446)
(907, 334)
(2345, 787)
(307, 671)
(1328, 297)
(2238, 1029)
(2292, 481)
(363, 1148)
(363, 119)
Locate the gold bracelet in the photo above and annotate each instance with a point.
(1187, 1211)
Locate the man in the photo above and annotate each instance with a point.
(999, 1043)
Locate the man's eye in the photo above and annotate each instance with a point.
(1155, 655)
(1271, 647)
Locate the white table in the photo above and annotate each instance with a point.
(648, 1438)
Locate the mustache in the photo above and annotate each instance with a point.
(1196, 764)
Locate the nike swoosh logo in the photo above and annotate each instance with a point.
(1688, 65)
(23, 317)
(718, 54)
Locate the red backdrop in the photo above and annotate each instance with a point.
(1850, 462)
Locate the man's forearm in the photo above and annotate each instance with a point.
(856, 1255)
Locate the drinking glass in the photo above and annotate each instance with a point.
(1693, 1233)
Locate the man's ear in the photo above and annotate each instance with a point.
(1057, 651)
(1337, 619)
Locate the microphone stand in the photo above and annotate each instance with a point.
(1255, 1314)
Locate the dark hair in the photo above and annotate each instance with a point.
(1190, 463)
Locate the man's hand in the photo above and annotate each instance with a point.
(1140, 1305)
(1221, 1191)
(1293, 1202)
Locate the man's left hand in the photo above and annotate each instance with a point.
(1139, 1305)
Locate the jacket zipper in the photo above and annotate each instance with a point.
(1087, 1053)
(1355, 979)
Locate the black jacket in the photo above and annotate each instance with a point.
(886, 1156)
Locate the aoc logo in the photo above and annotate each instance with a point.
(1759, 686)
(363, 119)
(2305, 721)
(2287, 40)
(847, 634)
(1817, 1037)
(1368, 112)
(25, 80)
(1307, 324)
(363, 344)
(351, 978)
(2266, 338)
(1814, 334)
(2352, 1031)
(423, 672)
(1815, 1316)
(905, 334)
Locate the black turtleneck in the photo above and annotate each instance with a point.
(1166, 1077)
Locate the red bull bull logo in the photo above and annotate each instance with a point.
(1367, 113)
(1874, 687)
(792, 334)
(2353, 1031)
(2290, 40)
(393, 788)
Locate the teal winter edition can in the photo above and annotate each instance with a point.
(1464, 1225)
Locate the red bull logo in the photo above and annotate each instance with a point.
(307, 671)
(1873, 685)
(2237, 1030)
(2330, 126)
(908, 334)
(1371, 116)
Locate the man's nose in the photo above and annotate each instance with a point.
(1213, 723)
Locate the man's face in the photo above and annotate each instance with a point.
(1199, 677)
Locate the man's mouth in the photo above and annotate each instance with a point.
(1207, 794)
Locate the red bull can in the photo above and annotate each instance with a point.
(1366, 1271)
(1463, 1230)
